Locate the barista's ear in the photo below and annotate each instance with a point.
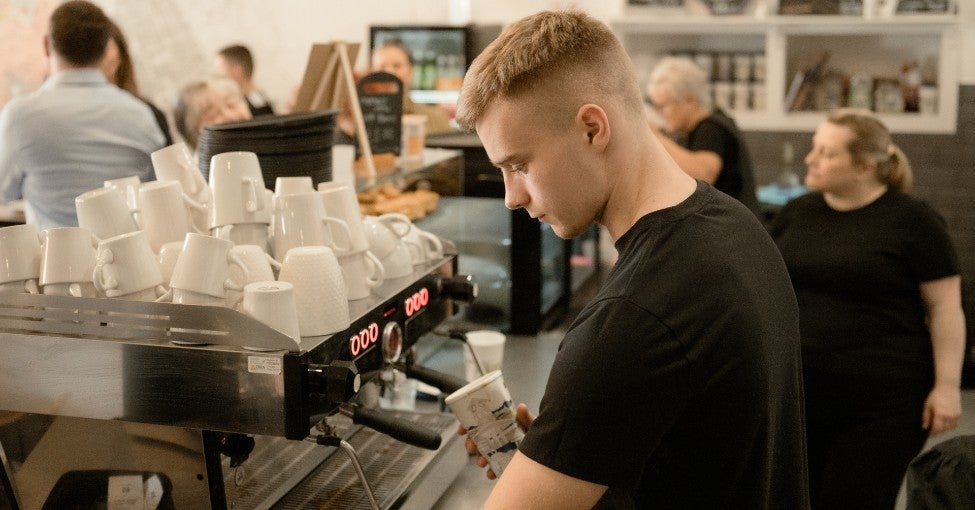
(595, 125)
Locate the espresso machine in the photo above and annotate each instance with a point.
(125, 404)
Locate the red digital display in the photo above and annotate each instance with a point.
(364, 338)
(417, 301)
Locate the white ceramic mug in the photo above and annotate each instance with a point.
(67, 256)
(260, 268)
(175, 163)
(424, 246)
(341, 202)
(129, 188)
(300, 220)
(167, 257)
(126, 266)
(291, 185)
(272, 303)
(257, 234)
(362, 272)
(20, 255)
(104, 212)
(238, 190)
(398, 263)
(165, 216)
(321, 298)
(204, 267)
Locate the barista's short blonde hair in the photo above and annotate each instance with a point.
(563, 59)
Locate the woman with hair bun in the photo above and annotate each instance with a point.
(883, 332)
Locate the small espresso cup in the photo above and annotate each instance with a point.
(126, 265)
(104, 212)
(272, 303)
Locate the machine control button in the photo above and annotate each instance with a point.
(338, 381)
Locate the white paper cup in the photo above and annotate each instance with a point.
(414, 135)
(20, 253)
(484, 408)
(489, 347)
(273, 303)
(104, 212)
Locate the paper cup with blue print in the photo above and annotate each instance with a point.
(484, 408)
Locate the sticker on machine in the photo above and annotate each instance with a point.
(264, 365)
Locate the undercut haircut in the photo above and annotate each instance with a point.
(240, 55)
(562, 59)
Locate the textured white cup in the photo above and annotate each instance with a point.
(204, 266)
(165, 216)
(292, 185)
(67, 256)
(341, 202)
(125, 264)
(321, 298)
(363, 272)
(175, 163)
(489, 346)
(20, 253)
(104, 212)
(484, 408)
(273, 303)
(238, 190)
(300, 220)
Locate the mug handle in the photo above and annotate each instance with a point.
(75, 290)
(196, 206)
(377, 273)
(234, 259)
(274, 263)
(102, 283)
(30, 285)
(399, 223)
(339, 250)
(222, 232)
(435, 245)
(166, 296)
(255, 195)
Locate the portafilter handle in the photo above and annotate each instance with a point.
(444, 382)
(397, 428)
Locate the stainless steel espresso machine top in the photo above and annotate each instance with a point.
(125, 404)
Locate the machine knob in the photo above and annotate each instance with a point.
(338, 381)
(460, 287)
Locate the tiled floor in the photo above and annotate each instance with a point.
(526, 365)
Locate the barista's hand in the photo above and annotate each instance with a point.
(942, 409)
(523, 417)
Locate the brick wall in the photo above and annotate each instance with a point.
(944, 175)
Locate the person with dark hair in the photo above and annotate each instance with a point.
(78, 130)
(883, 331)
(703, 139)
(119, 70)
(679, 385)
(237, 63)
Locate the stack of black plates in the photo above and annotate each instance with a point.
(286, 145)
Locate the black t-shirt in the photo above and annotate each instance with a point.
(857, 277)
(717, 133)
(679, 385)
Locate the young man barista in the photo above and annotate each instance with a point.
(679, 384)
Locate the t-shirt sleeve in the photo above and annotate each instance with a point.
(618, 383)
(930, 252)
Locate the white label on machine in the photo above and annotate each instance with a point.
(264, 365)
(125, 492)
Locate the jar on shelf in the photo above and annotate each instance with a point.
(860, 92)
(887, 96)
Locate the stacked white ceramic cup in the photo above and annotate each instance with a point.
(241, 207)
(68, 262)
(20, 259)
(362, 270)
(175, 163)
(385, 234)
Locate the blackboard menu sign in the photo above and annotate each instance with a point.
(381, 100)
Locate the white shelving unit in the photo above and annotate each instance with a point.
(873, 45)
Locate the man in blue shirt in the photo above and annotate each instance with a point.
(77, 130)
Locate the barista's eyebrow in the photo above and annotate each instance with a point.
(507, 160)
